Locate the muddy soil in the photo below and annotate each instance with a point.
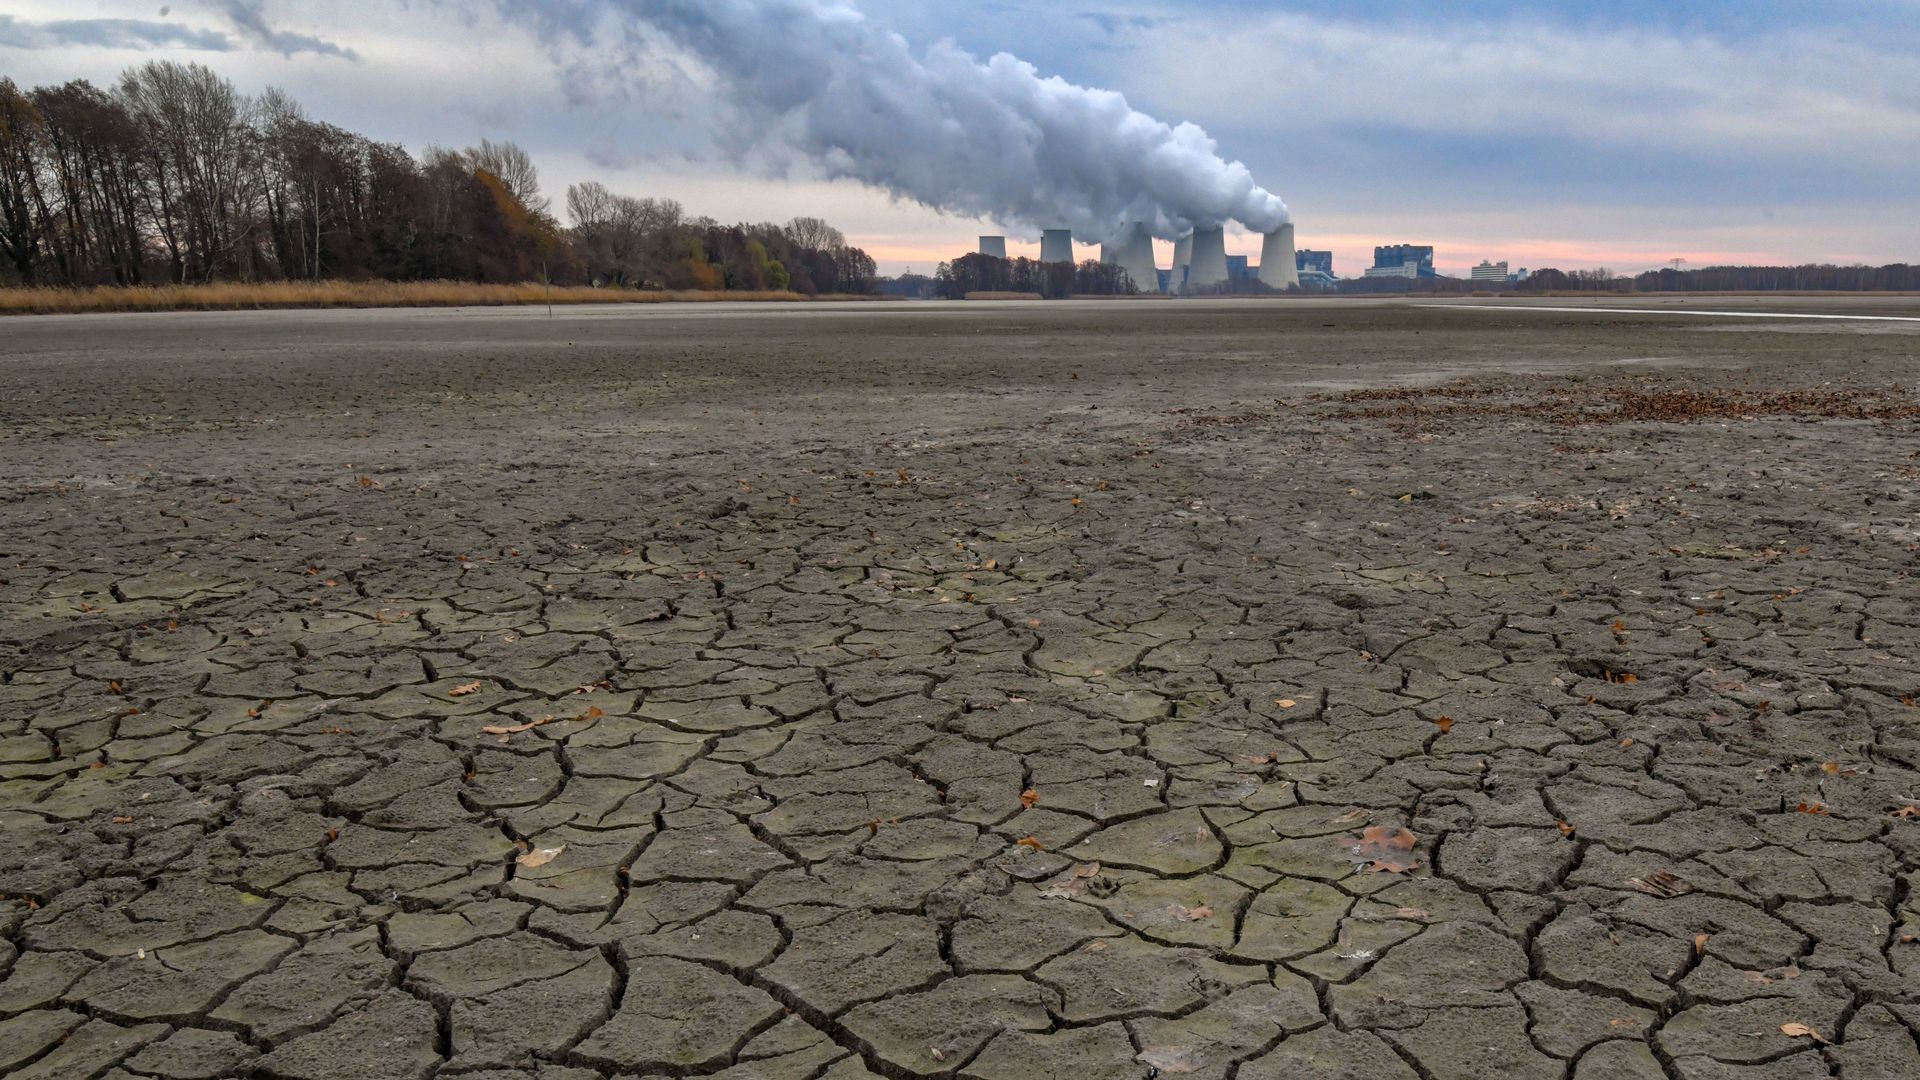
(1260, 690)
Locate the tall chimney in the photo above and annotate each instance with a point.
(1056, 245)
(1209, 268)
(1133, 252)
(1182, 259)
(995, 246)
(1278, 269)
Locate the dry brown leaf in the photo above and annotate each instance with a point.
(1907, 812)
(1351, 816)
(1807, 807)
(1700, 944)
(464, 689)
(1385, 849)
(1565, 829)
(1285, 703)
(1192, 914)
(1028, 798)
(122, 820)
(1444, 723)
(539, 857)
(1031, 842)
(1801, 1031)
(593, 713)
(1662, 884)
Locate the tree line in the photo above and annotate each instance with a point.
(172, 175)
(978, 273)
(1895, 277)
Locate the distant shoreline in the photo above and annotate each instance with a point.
(288, 295)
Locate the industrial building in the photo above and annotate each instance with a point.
(1306, 259)
(1056, 246)
(1402, 260)
(1200, 259)
(1490, 271)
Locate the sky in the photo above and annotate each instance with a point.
(1578, 135)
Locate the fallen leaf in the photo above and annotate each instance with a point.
(1384, 848)
(1700, 944)
(594, 713)
(1806, 807)
(1031, 842)
(1410, 913)
(1662, 884)
(123, 820)
(1907, 812)
(1285, 703)
(1028, 798)
(540, 856)
(464, 689)
(1565, 828)
(1444, 723)
(1192, 914)
(1801, 1031)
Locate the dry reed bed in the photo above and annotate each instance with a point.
(346, 294)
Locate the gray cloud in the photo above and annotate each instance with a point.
(984, 138)
(140, 34)
(251, 21)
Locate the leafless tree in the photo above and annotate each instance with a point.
(514, 167)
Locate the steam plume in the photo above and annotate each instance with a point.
(982, 138)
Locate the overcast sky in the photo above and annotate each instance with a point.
(1622, 134)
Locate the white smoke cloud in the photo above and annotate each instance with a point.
(943, 128)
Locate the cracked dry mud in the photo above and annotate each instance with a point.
(995, 692)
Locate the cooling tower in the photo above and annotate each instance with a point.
(1134, 254)
(1182, 258)
(995, 246)
(1056, 245)
(1209, 267)
(1278, 270)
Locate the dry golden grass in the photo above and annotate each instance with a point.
(238, 296)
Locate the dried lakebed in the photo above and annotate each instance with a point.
(1350, 690)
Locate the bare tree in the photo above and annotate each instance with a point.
(20, 131)
(814, 234)
(513, 167)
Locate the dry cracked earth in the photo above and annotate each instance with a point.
(1265, 691)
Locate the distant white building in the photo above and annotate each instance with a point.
(1490, 271)
(1403, 270)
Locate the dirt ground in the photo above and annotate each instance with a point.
(1353, 690)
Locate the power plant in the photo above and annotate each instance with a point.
(1277, 268)
(1133, 253)
(1056, 245)
(1208, 270)
(1200, 260)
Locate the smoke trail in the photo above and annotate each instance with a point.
(981, 138)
